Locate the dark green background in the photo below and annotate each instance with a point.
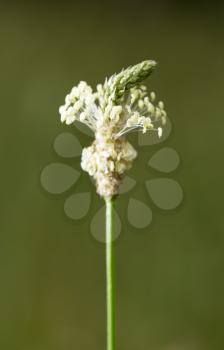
(170, 288)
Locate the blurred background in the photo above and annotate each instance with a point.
(170, 276)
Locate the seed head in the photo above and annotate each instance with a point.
(117, 107)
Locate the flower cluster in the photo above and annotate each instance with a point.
(107, 160)
(118, 106)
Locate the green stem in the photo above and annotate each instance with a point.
(110, 276)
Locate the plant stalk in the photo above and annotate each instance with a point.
(110, 293)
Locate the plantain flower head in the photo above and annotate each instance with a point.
(117, 107)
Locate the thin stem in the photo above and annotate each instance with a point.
(110, 276)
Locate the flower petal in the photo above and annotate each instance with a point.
(57, 177)
(97, 225)
(139, 214)
(165, 160)
(165, 193)
(77, 205)
(67, 145)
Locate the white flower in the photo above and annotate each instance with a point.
(118, 106)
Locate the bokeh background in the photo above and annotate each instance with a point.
(170, 284)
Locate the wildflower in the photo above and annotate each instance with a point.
(117, 107)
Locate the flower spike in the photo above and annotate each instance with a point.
(120, 83)
(119, 106)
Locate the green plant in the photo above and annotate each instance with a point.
(119, 106)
